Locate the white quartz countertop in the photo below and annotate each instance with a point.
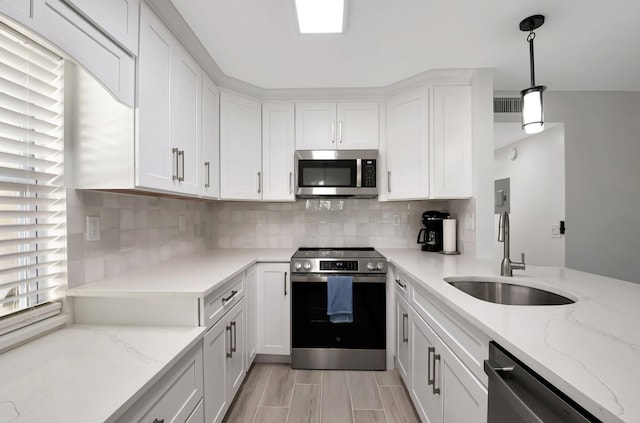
(590, 350)
(191, 276)
(87, 373)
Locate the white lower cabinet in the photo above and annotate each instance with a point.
(403, 341)
(444, 385)
(274, 309)
(176, 397)
(251, 300)
(224, 362)
(442, 388)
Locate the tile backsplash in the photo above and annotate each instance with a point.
(318, 223)
(138, 231)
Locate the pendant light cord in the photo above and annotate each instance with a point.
(530, 38)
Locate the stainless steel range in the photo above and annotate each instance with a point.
(316, 342)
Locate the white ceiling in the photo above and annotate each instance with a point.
(584, 44)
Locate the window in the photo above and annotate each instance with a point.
(32, 194)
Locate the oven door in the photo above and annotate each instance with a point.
(311, 327)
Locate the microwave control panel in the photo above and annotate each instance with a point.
(368, 173)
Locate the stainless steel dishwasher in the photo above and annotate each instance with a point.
(518, 394)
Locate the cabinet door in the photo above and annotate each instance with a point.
(17, 9)
(274, 309)
(186, 82)
(464, 398)
(357, 126)
(424, 344)
(403, 347)
(316, 126)
(451, 126)
(408, 146)
(210, 164)
(278, 148)
(251, 299)
(155, 160)
(236, 363)
(240, 148)
(216, 347)
(118, 18)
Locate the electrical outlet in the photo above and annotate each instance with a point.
(182, 223)
(555, 231)
(470, 222)
(262, 219)
(396, 219)
(93, 228)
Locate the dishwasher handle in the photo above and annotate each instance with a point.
(501, 389)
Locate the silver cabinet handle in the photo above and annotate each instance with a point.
(404, 287)
(290, 182)
(226, 300)
(430, 350)
(340, 131)
(235, 333)
(388, 181)
(230, 353)
(181, 174)
(207, 166)
(259, 182)
(285, 284)
(175, 153)
(158, 420)
(436, 391)
(405, 318)
(333, 131)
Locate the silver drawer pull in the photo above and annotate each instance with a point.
(158, 420)
(176, 154)
(230, 353)
(405, 318)
(230, 297)
(401, 285)
(234, 345)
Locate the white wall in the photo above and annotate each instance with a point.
(537, 196)
(602, 159)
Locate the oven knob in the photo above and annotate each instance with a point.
(380, 265)
(371, 266)
(297, 265)
(307, 265)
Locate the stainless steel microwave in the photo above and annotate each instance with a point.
(336, 173)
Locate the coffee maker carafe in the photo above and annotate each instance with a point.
(431, 235)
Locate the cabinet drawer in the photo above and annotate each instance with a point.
(222, 300)
(402, 284)
(175, 396)
(467, 342)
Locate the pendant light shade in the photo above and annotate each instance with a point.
(532, 109)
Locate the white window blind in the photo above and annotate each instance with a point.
(32, 200)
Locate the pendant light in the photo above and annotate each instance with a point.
(532, 112)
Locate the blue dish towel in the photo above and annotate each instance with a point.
(340, 299)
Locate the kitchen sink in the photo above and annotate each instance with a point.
(502, 292)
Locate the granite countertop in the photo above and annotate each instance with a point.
(88, 373)
(590, 350)
(188, 276)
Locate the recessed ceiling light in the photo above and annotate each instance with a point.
(320, 16)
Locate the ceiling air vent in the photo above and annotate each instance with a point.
(507, 105)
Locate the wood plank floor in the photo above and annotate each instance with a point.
(275, 393)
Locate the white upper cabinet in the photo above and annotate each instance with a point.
(278, 148)
(210, 163)
(17, 9)
(407, 146)
(240, 148)
(118, 18)
(451, 146)
(330, 126)
(156, 161)
(169, 116)
(186, 83)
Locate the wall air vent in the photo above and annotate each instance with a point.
(507, 105)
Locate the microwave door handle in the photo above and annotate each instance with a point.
(358, 173)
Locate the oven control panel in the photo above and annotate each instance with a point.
(338, 266)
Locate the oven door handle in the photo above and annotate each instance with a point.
(506, 394)
(323, 278)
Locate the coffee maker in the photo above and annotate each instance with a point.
(431, 235)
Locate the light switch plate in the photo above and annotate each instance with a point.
(93, 228)
(182, 223)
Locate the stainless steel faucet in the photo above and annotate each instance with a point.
(507, 266)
